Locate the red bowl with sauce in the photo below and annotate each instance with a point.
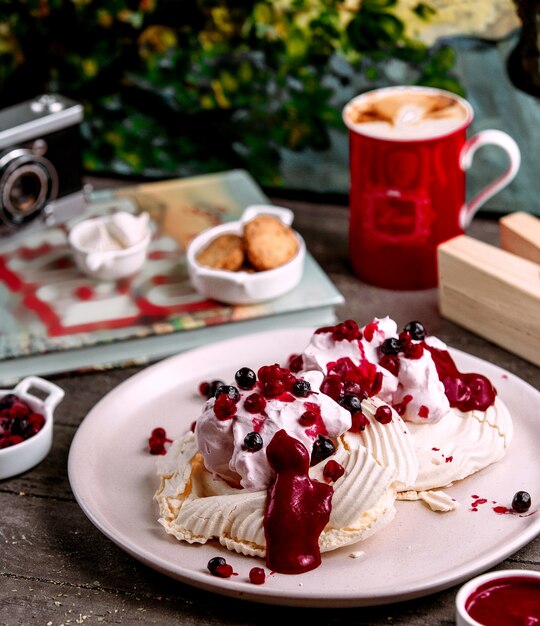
(506, 597)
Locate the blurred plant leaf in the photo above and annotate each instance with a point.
(176, 87)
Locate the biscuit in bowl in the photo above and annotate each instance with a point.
(269, 243)
(225, 252)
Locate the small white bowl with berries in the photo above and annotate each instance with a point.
(26, 424)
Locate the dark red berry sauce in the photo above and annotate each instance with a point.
(512, 601)
(289, 551)
(466, 392)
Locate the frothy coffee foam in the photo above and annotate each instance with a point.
(405, 114)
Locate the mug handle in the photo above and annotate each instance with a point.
(483, 138)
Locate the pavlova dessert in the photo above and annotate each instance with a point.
(287, 462)
(457, 422)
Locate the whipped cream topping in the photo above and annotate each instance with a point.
(221, 441)
(411, 385)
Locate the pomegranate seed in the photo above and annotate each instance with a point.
(17, 421)
(159, 433)
(157, 441)
(390, 362)
(13, 440)
(203, 389)
(224, 407)
(405, 336)
(208, 390)
(295, 362)
(413, 350)
(224, 571)
(274, 372)
(257, 575)
(383, 414)
(333, 470)
(255, 403)
(274, 388)
(332, 387)
(289, 379)
(359, 422)
(353, 389)
(157, 446)
(308, 418)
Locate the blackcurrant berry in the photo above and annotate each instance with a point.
(351, 402)
(301, 388)
(391, 346)
(521, 502)
(228, 390)
(245, 378)
(416, 330)
(208, 389)
(214, 563)
(253, 442)
(322, 449)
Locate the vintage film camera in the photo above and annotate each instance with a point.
(40, 164)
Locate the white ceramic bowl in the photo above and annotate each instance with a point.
(106, 265)
(462, 616)
(245, 287)
(28, 453)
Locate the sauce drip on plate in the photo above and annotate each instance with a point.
(298, 508)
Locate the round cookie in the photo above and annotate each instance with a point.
(269, 242)
(225, 252)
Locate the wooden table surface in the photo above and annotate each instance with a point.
(57, 568)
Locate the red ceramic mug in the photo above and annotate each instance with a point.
(408, 157)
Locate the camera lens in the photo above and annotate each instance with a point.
(26, 191)
(28, 182)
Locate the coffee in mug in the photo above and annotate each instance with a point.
(408, 154)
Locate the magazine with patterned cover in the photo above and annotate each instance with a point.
(55, 319)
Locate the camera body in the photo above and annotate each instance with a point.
(40, 164)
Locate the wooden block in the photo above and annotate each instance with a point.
(520, 234)
(493, 293)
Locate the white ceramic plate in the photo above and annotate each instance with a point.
(113, 478)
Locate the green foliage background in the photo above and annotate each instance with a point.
(179, 87)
